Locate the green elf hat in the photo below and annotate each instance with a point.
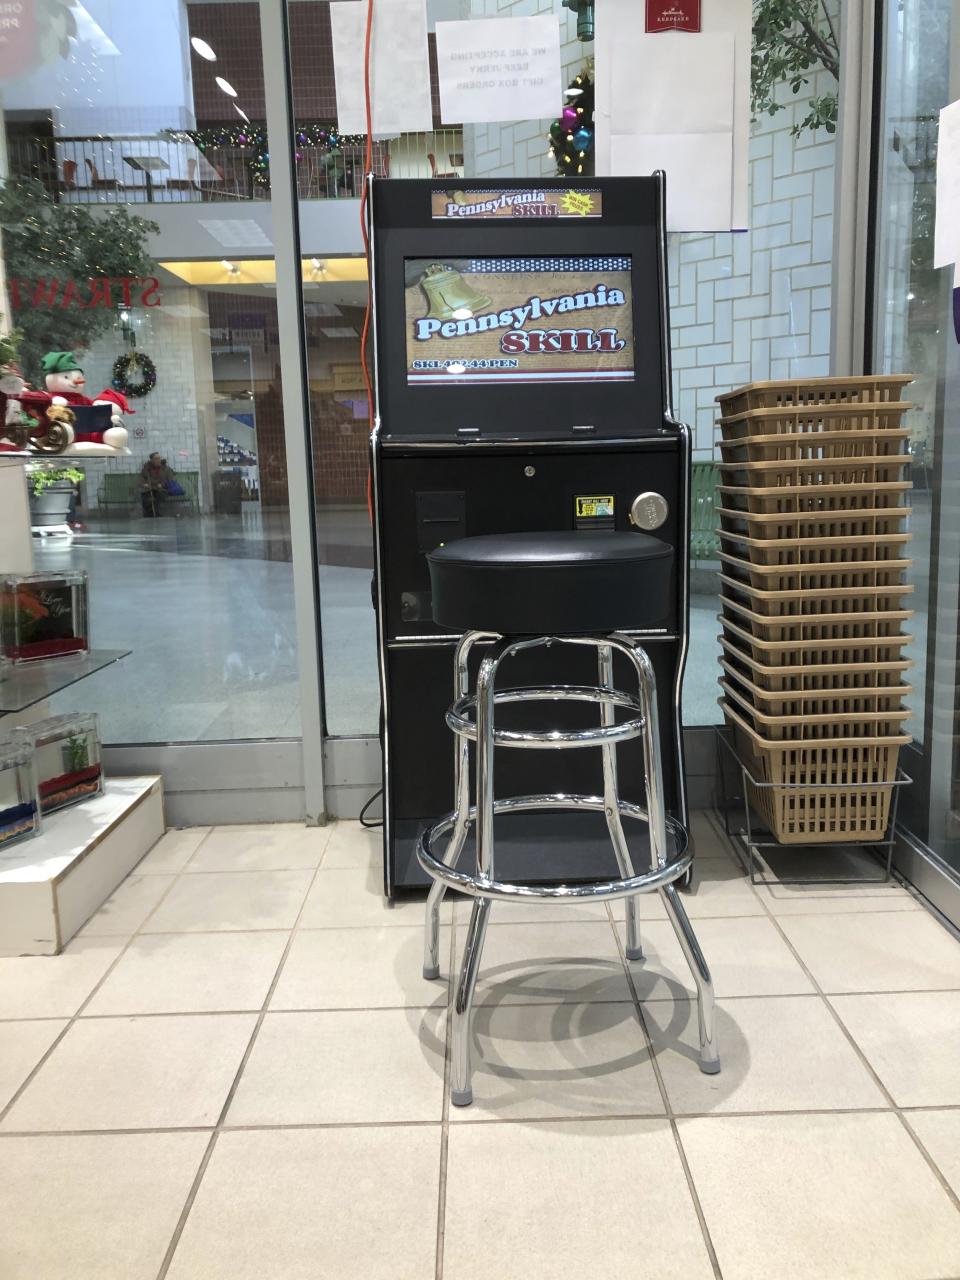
(60, 362)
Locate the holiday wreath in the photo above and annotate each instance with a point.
(122, 368)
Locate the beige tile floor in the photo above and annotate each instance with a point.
(236, 1072)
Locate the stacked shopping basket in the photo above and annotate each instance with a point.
(813, 531)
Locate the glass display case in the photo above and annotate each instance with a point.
(66, 758)
(43, 615)
(19, 806)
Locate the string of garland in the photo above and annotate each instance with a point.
(571, 136)
(122, 368)
(253, 138)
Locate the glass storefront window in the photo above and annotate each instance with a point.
(913, 332)
(192, 573)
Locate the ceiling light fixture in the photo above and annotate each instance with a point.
(226, 86)
(230, 266)
(317, 265)
(204, 50)
(240, 112)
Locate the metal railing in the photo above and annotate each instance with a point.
(182, 169)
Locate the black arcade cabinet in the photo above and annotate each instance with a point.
(523, 383)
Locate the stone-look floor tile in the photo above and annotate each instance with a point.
(172, 851)
(719, 889)
(299, 1205)
(93, 1207)
(811, 900)
(352, 897)
(135, 1073)
(912, 1041)
(939, 1131)
(820, 1197)
(54, 986)
(22, 1045)
(746, 957)
(128, 906)
(353, 846)
(282, 846)
(343, 1068)
(232, 900)
(191, 973)
(568, 1200)
(360, 969)
(906, 951)
(564, 1060)
(552, 963)
(777, 1053)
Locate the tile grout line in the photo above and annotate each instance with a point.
(665, 1099)
(864, 1060)
(445, 1109)
(31, 1076)
(185, 1212)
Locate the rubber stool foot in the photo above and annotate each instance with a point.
(431, 971)
(634, 953)
(710, 1068)
(461, 1097)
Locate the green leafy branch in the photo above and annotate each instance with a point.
(792, 41)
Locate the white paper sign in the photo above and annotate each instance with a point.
(946, 240)
(699, 169)
(499, 69)
(399, 66)
(637, 79)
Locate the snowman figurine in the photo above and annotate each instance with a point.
(64, 379)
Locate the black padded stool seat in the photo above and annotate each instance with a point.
(551, 583)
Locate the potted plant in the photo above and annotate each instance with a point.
(51, 494)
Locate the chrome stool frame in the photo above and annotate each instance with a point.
(483, 886)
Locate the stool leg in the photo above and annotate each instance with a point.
(458, 837)
(611, 802)
(461, 1089)
(709, 1055)
(653, 770)
(461, 1092)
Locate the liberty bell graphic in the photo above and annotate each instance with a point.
(449, 295)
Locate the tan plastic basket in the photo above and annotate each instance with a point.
(837, 677)
(822, 498)
(813, 551)
(763, 395)
(877, 469)
(871, 522)
(862, 574)
(822, 793)
(812, 421)
(844, 601)
(838, 704)
(828, 446)
(813, 653)
(815, 726)
(842, 628)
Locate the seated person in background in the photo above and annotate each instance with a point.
(157, 478)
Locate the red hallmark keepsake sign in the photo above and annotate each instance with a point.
(673, 15)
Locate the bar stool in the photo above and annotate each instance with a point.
(524, 591)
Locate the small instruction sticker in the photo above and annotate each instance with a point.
(594, 506)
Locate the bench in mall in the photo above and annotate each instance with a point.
(120, 490)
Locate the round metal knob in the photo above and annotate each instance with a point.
(649, 510)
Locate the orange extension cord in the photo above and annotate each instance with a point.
(367, 167)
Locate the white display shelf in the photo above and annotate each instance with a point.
(52, 884)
